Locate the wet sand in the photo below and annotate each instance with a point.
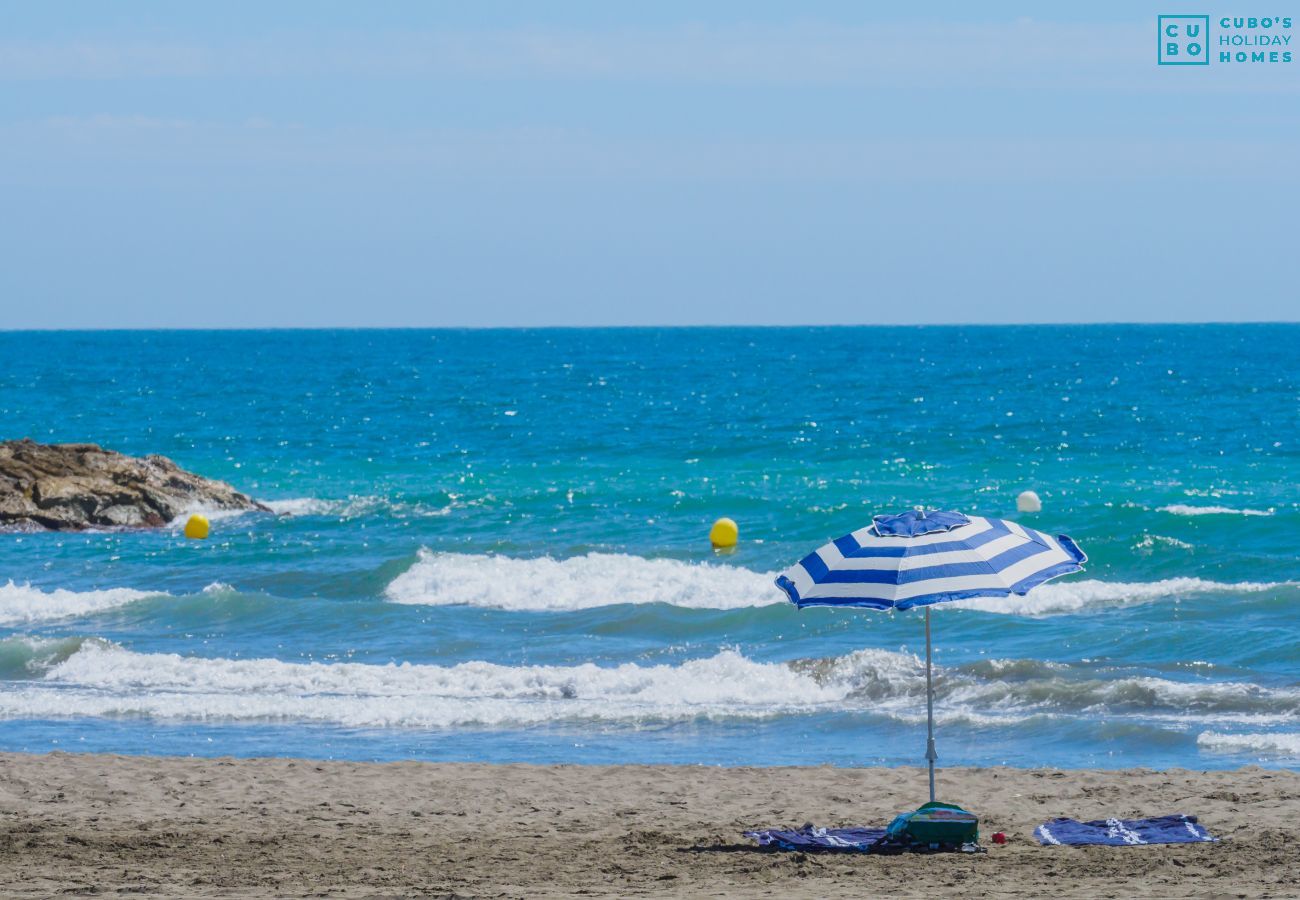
(72, 824)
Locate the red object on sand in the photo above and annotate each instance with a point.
(999, 837)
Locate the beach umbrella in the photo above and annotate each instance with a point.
(922, 557)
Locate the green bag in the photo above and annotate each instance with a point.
(937, 824)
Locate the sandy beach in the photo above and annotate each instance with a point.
(278, 827)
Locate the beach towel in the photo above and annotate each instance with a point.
(1123, 832)
(810, 837)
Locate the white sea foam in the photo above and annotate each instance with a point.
(360, 505)
(98, 678)
(1179, 509)
(103, 679)
(1064, 597)
(581, 582)
(302, 506)
(22, 604)
(106, 680)
(348, 508)
(1150, 541)
(212, 514)
(604, 579)
(1268, 744)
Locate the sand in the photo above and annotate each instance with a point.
(74, 824)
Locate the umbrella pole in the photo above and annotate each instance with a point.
(930, 754)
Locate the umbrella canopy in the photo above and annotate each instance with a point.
(922, 557)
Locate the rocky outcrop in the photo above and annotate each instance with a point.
(67, 487)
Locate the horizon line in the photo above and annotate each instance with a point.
(250, 328)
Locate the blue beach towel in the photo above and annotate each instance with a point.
(1123, 832)
(810, 837)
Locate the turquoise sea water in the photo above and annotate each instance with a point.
(493, 545)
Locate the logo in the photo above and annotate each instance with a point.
(1186, 40)
(1183, 40)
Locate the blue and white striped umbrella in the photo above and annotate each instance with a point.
(922, 557)
(918, 558)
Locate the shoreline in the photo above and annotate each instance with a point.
(187, 826)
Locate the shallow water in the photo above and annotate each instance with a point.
(493, 545)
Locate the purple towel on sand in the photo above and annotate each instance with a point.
(1123, 832)
(810, 837)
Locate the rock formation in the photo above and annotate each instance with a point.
(68, 487)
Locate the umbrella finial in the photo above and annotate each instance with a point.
(918, 521)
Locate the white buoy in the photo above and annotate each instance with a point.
(1028, 501)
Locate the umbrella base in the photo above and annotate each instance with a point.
(937, 825)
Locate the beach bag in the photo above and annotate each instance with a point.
(936, 825)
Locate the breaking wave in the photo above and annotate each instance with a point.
(606, 579)
(96, 678)
(1064, 597)
(1267, 744)
(581, 582)
(301, 506)
(107, 680)
(24, 657)
(22, 604)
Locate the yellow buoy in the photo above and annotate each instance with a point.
(724, 533)
(196, 527)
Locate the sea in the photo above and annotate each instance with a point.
(492, 545)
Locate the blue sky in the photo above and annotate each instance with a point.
(479, 164)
